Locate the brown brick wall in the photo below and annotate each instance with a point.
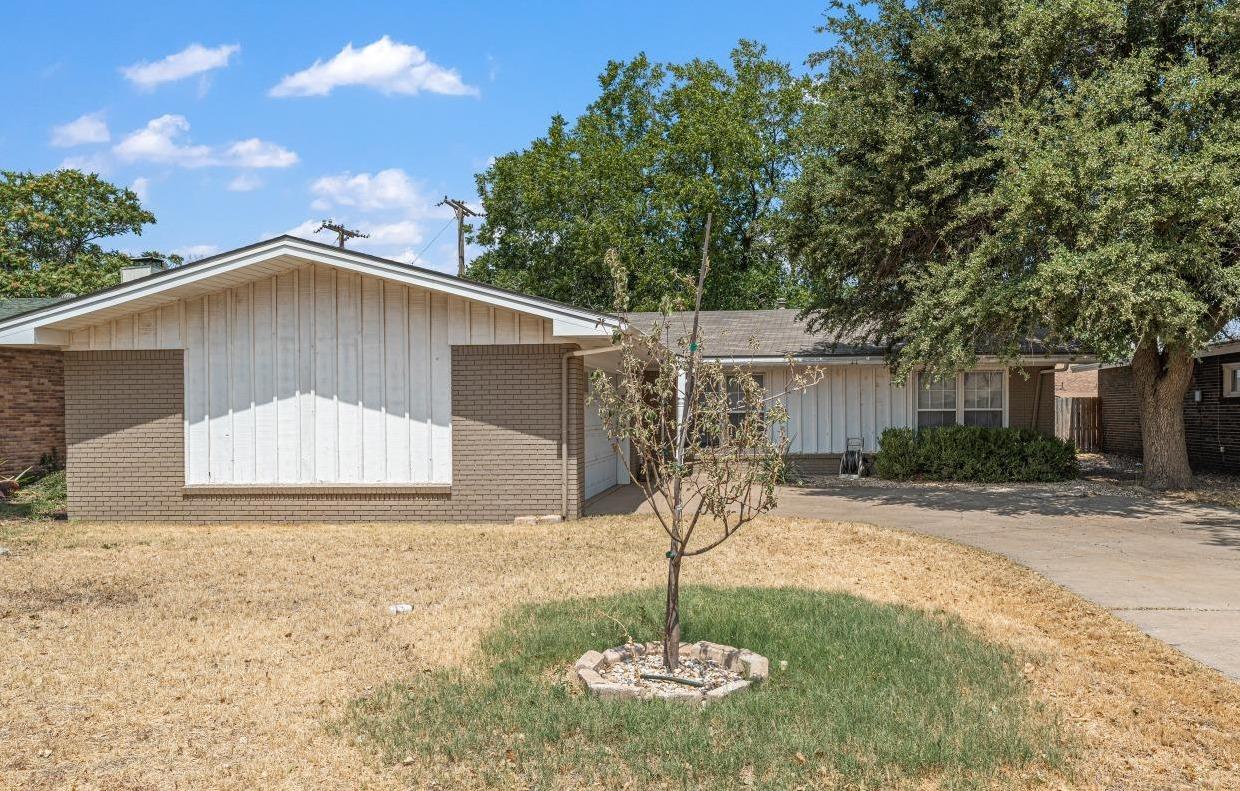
(126, 448)
(1212, 426)
(1121, 422)
(1021, 396)
(32, 407)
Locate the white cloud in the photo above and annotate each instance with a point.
(194, 59)
(89, 128)
(245, 182)
(387, 66)
(141, 186)
(161, 142)
(387, 189)
(193, 252)
(255, 153)
(398, 214)
(87, 163)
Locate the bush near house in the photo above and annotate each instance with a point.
(971, 453)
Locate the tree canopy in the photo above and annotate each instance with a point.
(977, 171)
(980, 171)
(662, 146)
(50, 228)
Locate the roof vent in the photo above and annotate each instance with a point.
(781, 303)
(141, 266)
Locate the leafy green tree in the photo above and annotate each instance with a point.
(50, 228)
(662, 146)
(984, 171)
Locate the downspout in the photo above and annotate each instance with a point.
(1037, 393)
(564, 421)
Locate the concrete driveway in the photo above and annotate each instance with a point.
(1170, 568)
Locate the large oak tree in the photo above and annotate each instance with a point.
(982, 171)
(660, 148)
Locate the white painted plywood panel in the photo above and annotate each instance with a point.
(396, 382)
(266, 459)
(288, 385)
(326, 382)
(350, 308)
(241, 371)
(374, 408)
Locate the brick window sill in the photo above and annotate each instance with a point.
(316, 490)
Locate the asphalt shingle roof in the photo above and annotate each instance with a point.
(17, 305)
(755, 333)
(778, 333)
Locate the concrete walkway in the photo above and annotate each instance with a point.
(1170, 568)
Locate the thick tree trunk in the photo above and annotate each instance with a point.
(1161, 379)
(671, 620)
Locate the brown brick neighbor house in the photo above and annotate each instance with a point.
(32, 398)
(1211, 410)
(294, 381)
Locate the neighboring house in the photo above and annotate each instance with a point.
(1211, 410)
(856, 397)
(32, 416)
(291, 380)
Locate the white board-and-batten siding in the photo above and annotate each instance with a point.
(848, 401)
(317, 375)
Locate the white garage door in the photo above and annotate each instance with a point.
(603, 469)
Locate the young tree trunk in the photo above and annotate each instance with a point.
(1161, 378)
(671, 619)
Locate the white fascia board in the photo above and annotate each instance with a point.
(572, 320)
(34, 336)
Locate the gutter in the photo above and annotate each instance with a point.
(564, 420)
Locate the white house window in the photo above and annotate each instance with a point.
(1231, 381)
(974, 398)
(736, 399)
(936, 403)
(983, 399)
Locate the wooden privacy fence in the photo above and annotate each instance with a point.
(1079, 420)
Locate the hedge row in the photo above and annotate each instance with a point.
(970, 453)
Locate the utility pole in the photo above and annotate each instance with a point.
(342, 233)
(462, 211)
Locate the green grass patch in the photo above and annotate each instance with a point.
(44, 498)
(873, 696)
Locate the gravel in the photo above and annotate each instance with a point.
(628, 671)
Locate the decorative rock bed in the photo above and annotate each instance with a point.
(708, 672)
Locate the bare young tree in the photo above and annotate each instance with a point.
(708, 443)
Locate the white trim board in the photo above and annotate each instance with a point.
(47, 327)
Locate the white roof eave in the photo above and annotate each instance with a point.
(39, 327)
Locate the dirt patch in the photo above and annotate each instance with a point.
(219, 656)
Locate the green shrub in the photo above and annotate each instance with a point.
(971, 453)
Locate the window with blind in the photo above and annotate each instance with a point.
(974, 398)
(936, 403)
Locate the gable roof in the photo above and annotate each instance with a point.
(50, 324)
(777, 334)
(16, 306)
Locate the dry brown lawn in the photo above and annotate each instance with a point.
(156, 656)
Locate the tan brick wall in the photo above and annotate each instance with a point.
(32, 407)
(1076, 384)
(126, 448)
(1021, 396)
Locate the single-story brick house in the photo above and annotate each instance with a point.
(32, 405)
(291, 380)
(1211, 410)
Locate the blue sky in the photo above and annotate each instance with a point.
(219, 116)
